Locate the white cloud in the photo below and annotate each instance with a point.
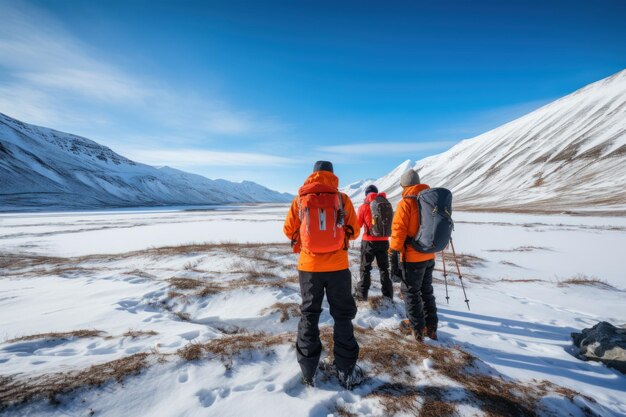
(40, 56)
(185, 158)
(387, 148)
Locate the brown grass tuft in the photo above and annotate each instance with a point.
(139, 333)
(82, 333)
(191, 352)
(465, 261)
(521, 280)
(15, 391)
(582, 279)
(287, 310)
(227, 347)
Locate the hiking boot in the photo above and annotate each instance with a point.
(430, 333)
(407, 330)
(308, 382)
(405, 327)
(359, 297)
(352, 378)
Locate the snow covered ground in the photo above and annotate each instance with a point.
(158, 313)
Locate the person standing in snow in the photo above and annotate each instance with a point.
(375, 242)
(417, 278)
(320, 223)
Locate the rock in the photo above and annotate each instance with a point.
(605, 343)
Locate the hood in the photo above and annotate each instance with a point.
(414, 189)
(320, 181)
(323, 177)
(371, 196)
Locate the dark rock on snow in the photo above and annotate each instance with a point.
(605, 343)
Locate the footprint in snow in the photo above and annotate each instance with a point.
(190, 335)
(208, 397)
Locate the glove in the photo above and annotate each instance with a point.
(394, 261)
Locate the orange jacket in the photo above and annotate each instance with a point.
(322, 262)
(406, 223)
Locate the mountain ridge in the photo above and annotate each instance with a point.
(567, 156)
(42, 168)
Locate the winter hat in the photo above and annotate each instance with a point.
(409, 178)
(371, 189)
(323, 166)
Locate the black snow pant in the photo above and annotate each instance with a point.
(337, 285)
(419, 298)
(371, 250)
(396, 273)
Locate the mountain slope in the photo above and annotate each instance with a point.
(569, 155)
(43, 168)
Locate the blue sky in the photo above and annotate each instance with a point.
(259, 90)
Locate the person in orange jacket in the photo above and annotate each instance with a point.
(417, 280)
(324, 272)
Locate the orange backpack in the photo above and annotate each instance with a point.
(321, 228)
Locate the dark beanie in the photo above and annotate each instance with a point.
(371, 189)
(323, 166)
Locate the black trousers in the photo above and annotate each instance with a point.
(419, 297)
(371, 250)
(337, 286)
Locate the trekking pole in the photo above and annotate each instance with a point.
(459, 272)
(445, 274)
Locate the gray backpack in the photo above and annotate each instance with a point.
(382, 216)
(435, 220)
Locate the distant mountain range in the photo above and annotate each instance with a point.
(43, 169)
(568, 156)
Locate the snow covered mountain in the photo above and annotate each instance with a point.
(569, 155)
(43, 168)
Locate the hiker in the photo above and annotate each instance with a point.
(376, 215)
(417, 280)
(320, 223)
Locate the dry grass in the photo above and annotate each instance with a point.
(582, 279)
(521, 280)
(521, 249)
(15, 391)
(538, 182)
(378, 302)
(82, 333)
(341, 411)
(200, 288)
(287, 310)
(227, 347)
(390, 354)
(12, 263)
(465, 260)
(191, 352)
(134, 334)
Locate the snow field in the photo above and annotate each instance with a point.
(206, 294)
